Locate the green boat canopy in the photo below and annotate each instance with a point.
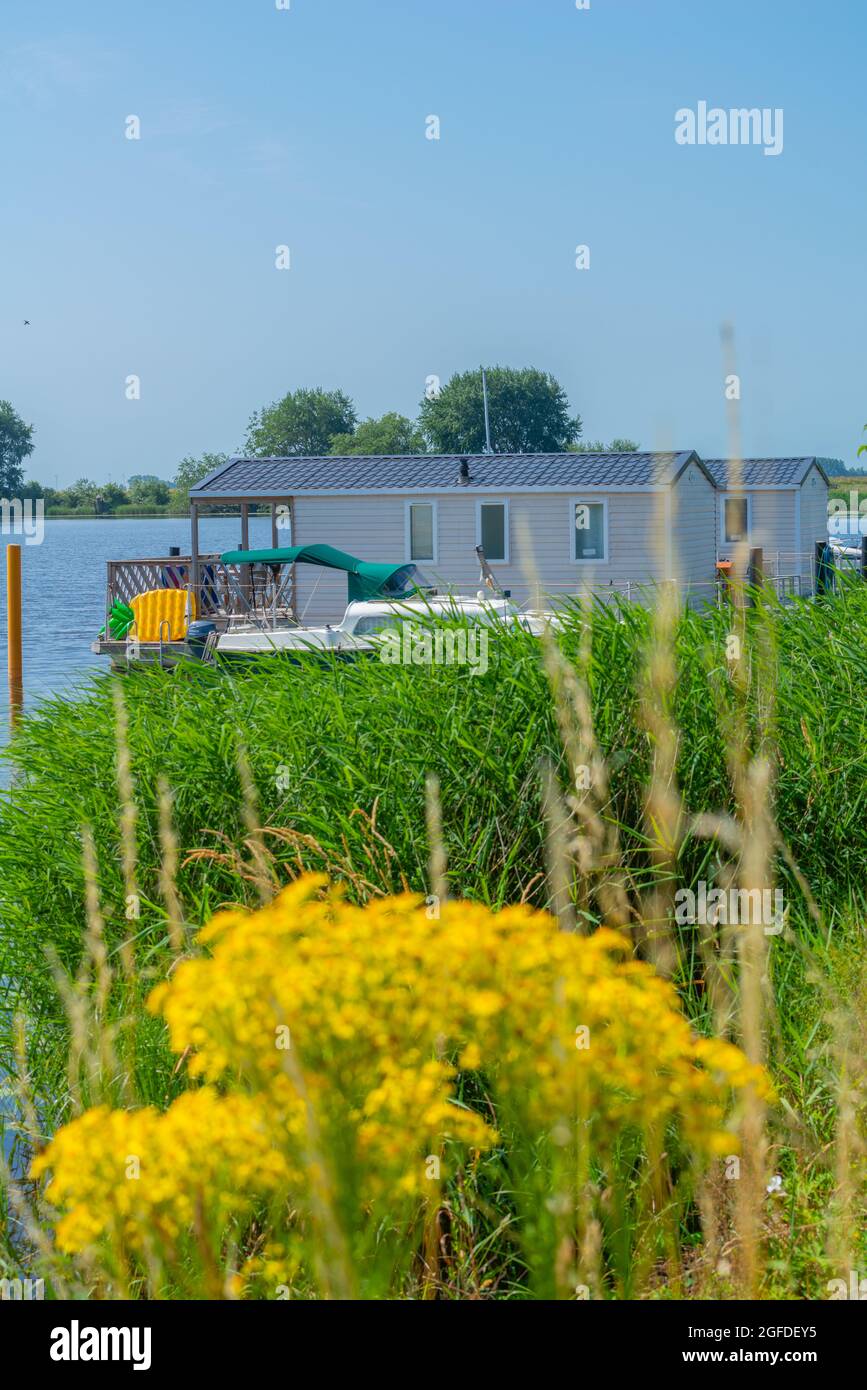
(364, 580)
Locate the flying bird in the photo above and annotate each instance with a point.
(26, 323)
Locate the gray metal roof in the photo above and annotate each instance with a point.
(284, 477)
(759, 473)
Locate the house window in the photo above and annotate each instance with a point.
(590, 532)
(421, 530)
(736, 519)
(492, 530)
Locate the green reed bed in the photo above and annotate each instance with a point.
(339, 755)
(281, 767)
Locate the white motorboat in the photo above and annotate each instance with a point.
(244, 606)
(364, 623)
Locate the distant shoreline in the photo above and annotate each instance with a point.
(136, 516)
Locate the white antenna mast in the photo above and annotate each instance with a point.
(488, 449)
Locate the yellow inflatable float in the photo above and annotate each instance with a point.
(162, 606)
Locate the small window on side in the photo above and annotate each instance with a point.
(736, 520)
(421, 531)
(589, 542)
(493, 530)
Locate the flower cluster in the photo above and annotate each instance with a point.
(328, 1040)
(146, 1177)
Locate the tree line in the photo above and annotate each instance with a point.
(528, 411)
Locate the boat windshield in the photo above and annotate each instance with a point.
(377, 622)
(405, 581)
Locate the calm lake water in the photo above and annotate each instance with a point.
(64, 589)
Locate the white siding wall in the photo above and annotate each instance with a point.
(694, 508)
(814, 514)
(773, 523)
(374, 528)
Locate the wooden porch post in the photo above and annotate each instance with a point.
(278, 537)
(246, 570)
(194, 554)
(820, 581)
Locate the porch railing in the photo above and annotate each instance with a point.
(224, 591)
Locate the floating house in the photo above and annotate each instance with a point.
(616, 523)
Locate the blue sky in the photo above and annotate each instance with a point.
(413, 257)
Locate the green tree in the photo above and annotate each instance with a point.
(148, 492)
(303, 422)
(112, 495)
(596, 446)
(529, 413)
(16, 444)
(82, 493)
(390, 434)
(50, 496)
(191, 470)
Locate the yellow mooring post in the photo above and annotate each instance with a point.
(13, 624)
